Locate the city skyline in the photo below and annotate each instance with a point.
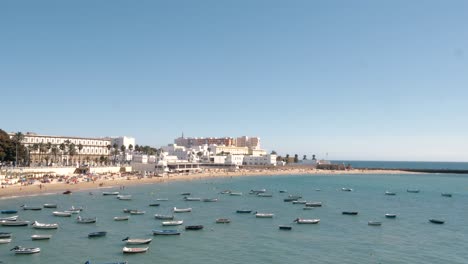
(359, 80)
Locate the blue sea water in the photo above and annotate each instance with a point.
(405, 164)
(338, 238)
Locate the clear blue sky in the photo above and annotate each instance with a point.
(363, 80)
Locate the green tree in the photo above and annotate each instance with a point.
(80, 147)
(130, 147)
(296, 158)
(116, 151)
(7, 148)
(54, 151)
(122, 149)
(273, 152)
(287, 158)
(62, 148)
(108, 152)
(304, 157)
(71, 150)
(17, 139)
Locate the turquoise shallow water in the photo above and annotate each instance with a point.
(409, 238)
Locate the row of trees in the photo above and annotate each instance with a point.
(288, 159)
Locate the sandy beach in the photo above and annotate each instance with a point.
(116, 182)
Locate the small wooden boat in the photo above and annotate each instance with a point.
(182, 210)
(67, 192)
(210, 200)
(172, 223)
(97, 234)
(33, 208)
(446, 194)
(23, 250)
(137, 212)
(374, 223)
(186, 198)
(390, 215)
(165, 232)
(263, 215)
(48, 205)
(126, 197)
(110, 193)
(162, 199)
(299, 202)
(194, 227)
(41, 237)
(5, 240)
(154, 204)
(223, 221)
(413, 190)
(186, 193)
(129, 210)
(264, 195)
(9, 211)
(390, 193)
(5, 234)
(306, 221)
(436, 221)
(11, 218)
(121, 218)
(283, 191)
(284, 227)
(349, 212)
(244, 211)
(82, 220)
(38, 225)
(235, 194)
(14, 223)
(344, 189)
(163, 217)
(313, 204)
(137, 241)
(62, 214)
(134, 250)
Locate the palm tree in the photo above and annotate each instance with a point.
(122, 148)
(80, 147)
(67, 145)
(137, 148)
(48, 146)
(54, 152)
(313, 156)
(35, 147)
(17, 139)
(130, 147)
(108, 151)
(116, 151)
(296, 158)
(42, 149)
(72, 150)
(62, 147)
(304, 157)
(287, 158)
(273, 152)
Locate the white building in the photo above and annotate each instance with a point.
(125, 141)
(265, 160)
(229, 150)
(234, 159)
(219, 159)
(138, 158)
(179, 151)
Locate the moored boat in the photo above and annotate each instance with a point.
(123, 262)
(210, 200)
(162, 199)
(235, 194)
(264, 195)
(5, 240)
(289, 199)
(23, 250)
(137, 241)
(165, 232)
(134, 250)
(284, 227)
(14, 223)
(182, 210)
(223, 221)
(126, 197)
(67, 192)
(257, 191)
(349, 212)
(9, 211)
(295, 196)
(82, 220)
(412, 190)
(137, 212)
(244, 211)
(121, 218)
(446, 194)
(172, 223)
(299, 202)
(49, 205)
(390, 215)
(263, 215)
(374, 223)
(38, 225)
(154, 204)
(194, 227)
(306, 221)
(41, 237)
(5, 234)
(163, 217)
(33, 208)
(110, 193)
(437, 221)
(389, 193)
(62, 214)
(313, 204)
(185, 193)
(344, 189)
(11, 218)
(129, 210)
(97, 234)
(186, 198)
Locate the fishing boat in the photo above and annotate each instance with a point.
(81, 220)
(34, 208)
(284, 227)
(313, 204)
(349, 212)
(306, 221)
(390, 215)
(23, 250)
(154, 204)
(67, 192)
(9, 211)
(137, 212)
(121, 218)
(110, 193)
(5, 240)
(264, 195)
(62, 214)
(235, 194)
(244, 211)
(390, 193)
(163, 217)
(182, 210)
(5, 234)
(299, 202)
(165, 232)
(223, 220)
(194, 227)
(172, 223)
(38, 225)
(374, 223)
(263, 215)
(14, 223)
(446, 194)
(97, 234)
(186, 198)
(186, 193)
(134, 250)
(126, 197)
(41, 237)
(413, 190)
(437, 221)
(137, 241)
(210, 200)
(11, 218)
(344, 189)
(48, 205)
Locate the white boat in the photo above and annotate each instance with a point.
(48, 205)
(162, 199)
(40, 237)
(223, 221)
(110, 193)
(136, 241)
(346, 189)
(264, 215)
(128, 210)
(299, 202)
(137, 212)
(186, 198)
(5, 234)
(124, 197)
(23, 250)
(235, 194)
(172, 223)
(306, 221)
(313, 204)
(5, 240)
(256, 192)
(121, 218)
(163, 217)
(38, 225)
(374, 223)
(390, 193)
(264, 195)
(62, 214)
(11, 218)
(210, 200)
(182, 210)
(14, 223)
(81, 220)
(390, 215)
(134, 250)
(28, 207)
